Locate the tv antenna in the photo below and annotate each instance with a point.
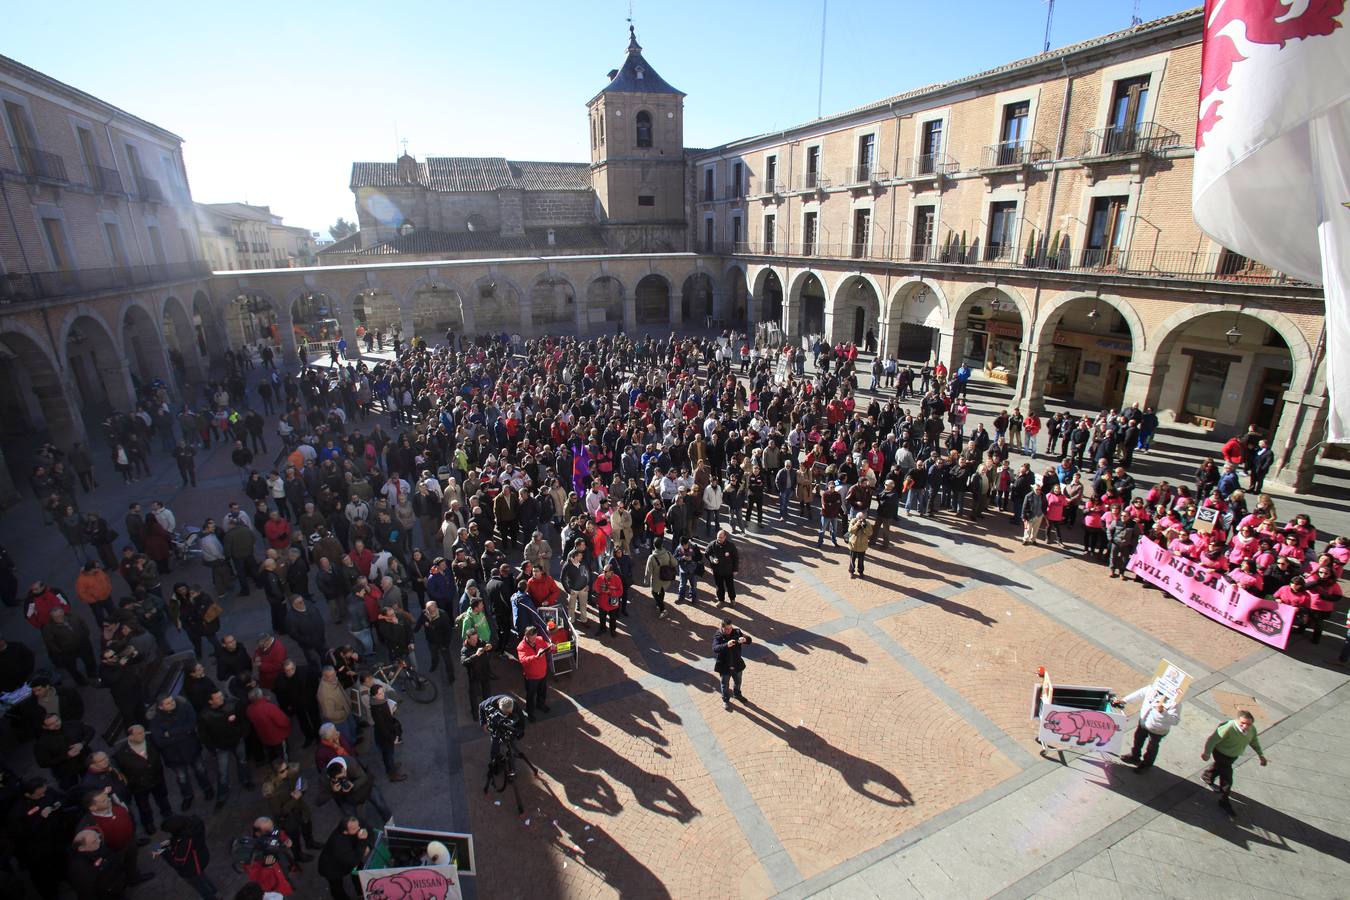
(1049, 17)
(1135, 19)
(820, 80)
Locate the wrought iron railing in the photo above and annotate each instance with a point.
(1013, 153)
(1129, 140)
(21, 288)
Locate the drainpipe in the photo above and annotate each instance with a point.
(1048, 232)
(126, 183)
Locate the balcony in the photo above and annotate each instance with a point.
(1115, 141)
(932, 167)
(1142, 263)
(813, 181)
(766, 187)
(241, 246)
(148, 190)
(105, 180)
(20, 288)
(732, 192)
(1013, 155)
(41, 164)
(865, 175)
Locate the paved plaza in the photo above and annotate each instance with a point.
(885, 747)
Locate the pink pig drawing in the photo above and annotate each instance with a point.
(413, 884)
(1083, 725)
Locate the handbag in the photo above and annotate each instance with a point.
(213, 612)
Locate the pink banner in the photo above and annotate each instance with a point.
(1213, 595)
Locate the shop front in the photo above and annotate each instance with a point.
(1088, 369)
(1003, 355)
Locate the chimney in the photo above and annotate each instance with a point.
(552, 237)
(613, 73)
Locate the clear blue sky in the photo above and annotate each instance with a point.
(275, 100)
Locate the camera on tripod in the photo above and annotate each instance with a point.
(502, 720)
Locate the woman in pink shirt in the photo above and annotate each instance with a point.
(1247, 577)
(1094, 528)
(1054, 515)
(1244, 545)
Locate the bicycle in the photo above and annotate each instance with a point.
(404, 678)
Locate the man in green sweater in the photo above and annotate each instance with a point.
(1227, 743)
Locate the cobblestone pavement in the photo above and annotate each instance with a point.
(884, 748)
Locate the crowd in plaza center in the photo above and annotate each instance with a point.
(456, 490)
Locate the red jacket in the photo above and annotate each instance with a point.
(39, 608)
(608, 589)
(533, 657)
(269, 663)
(362, 559)
(1234, 451)
(278, 534)
(543, 590)
(270, 724)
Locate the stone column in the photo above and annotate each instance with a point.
(116, 377)
(1298, 437)
(1033, 369)
(1143, 384)
(950, 347)
(347, 322)
(676, 309)
(408, 323)
(467, 307)
(289, 350)
(883, 336)
(630, 322)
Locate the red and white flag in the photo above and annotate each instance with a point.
(1272, 160)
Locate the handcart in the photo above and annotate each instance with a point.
(417, 862)
(1075, 718)
(556, 623)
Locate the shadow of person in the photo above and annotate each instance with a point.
(770, 632)
(863, 776)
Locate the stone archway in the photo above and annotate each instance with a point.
(768, 297)
(696, 299)
(1225, 368)
(179, 336)
(1085, 349)
(212, 341)
(97, 368)
(652, 299)
(143, 347)
(855, 312)
(806, 305)
(553, 305)
(36, 401)
(497, 306)
(914, 322)
(437, 308)
(377, 317)
(989, 330)
(252, 319)
(604, 309)
(735, 308)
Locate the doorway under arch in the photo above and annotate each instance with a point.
(769, 295)
(97, 369)
(604, 304)
(857, 309)
(696, 299)
(553, 305)
(988, 331)
(33, 401)
(436, 310)
(180, 339)
(252, 319)
(652, 297)
(737, 297)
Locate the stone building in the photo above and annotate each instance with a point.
(1032, 220)
(244, 236)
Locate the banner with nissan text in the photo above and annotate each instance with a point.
(1213, 595)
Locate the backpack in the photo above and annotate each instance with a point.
(666, 572)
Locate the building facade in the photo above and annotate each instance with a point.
(102, 282)
(1034, 222)
(244, 236)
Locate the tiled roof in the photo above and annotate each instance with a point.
(637, 76)
(349, 244)
(456, 174)
(1196, 14)
(534, 240)
(242, 211)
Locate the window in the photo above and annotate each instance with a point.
(925, 221)
(1106, 230)
(810, 226)
(708, 175)
(646, 199)
(89, 154)
(55, 233)
(644, 128)
(1002, 225)
(25, 138)
(593, 141)
(930, 147)
(1127, 114)
(862, 227)
(134, 162)
(770, 232)
(189, 251)
(708, 235)
(602, 129)
(156, 244)
(866, 148)
(737, 179)
(770, 174)
(116, 248)
(812, 167)
(736, 231)
(1013, 133)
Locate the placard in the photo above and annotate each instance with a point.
(1171, 682)
(421, 882)
(1083, 730)
(1206, 517)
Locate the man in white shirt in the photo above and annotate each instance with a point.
(1157, 714)
(165, 516)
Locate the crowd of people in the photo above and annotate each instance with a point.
(455, 490)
